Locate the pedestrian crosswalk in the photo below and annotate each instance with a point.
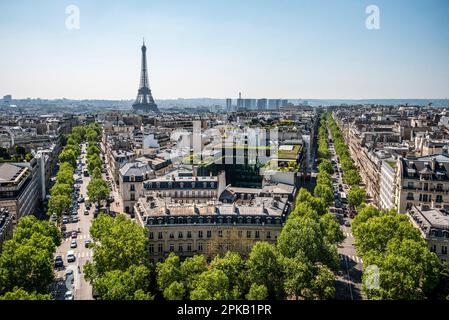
(80, 237)
(348, 234)
(351, 258)
(84, 254)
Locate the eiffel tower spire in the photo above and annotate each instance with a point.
(144, 101)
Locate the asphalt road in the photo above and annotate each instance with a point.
(80, 288)
(349, 278)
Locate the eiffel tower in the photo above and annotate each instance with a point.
(144, 102)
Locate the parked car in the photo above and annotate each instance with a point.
(74, 235)
(86, 212)
(73, 244)
(75, 219)
(87, 243)
(59, 263)
(68, 295)
(65, 220)
(347, 224)
(70, 256)
(68, 274)
(81, 199)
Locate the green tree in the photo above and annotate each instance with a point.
(58, 204)
(20, 294)
(61, 189)
(352, 177)
(96, 174)
(298, 276)
(92, 149)
(68, 156)
(325, 192)
(323, 283)
(30, 225)
(265, 268)
(356, 196)
(211, 285)
(407, 270)
(97, 190)
(331, 230)
(175, 291)
(257, 292)
(168, 271)
(325, 166)
(93, 162)
(234, 266)
(191, 268)
(123, 285)
(375, 233)
(122, 246)
(65, 174)
(304, 234)
(324, 178)
(25, 266)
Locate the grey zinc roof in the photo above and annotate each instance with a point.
(134, 169)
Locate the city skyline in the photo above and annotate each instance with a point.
(296, 49)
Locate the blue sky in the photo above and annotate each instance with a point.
(206, 48)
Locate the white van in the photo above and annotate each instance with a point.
(70, 256)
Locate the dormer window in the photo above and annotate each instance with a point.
(181, 185)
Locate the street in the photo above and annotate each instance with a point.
(80, 288)
(349, 279)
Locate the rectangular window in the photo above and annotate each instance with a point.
(220, 233)
(443, 249)
(159, 236)
(200, 234)
(132, 197)
(151, 248)
(172, 235)
(209, 233)
(180, 248)
(257, 234)
(268, 235)
(151, 235)
(200, 246)
(132, 187)
(433, 248)
(172, 247)
(189, 247)
(189, 234)
(248, 234)
(240, 233)
(160, 247)
(180, 235)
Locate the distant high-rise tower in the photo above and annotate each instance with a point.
(144, 101)
(228, 105)
(240, 101)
